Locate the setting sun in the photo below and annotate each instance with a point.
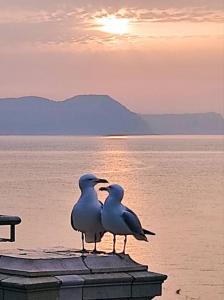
(113, 24)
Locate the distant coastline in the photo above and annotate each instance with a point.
(97, 115)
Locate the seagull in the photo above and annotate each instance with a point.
(119, 219)
(86, 213)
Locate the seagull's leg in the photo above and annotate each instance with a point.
(95, 250)
(114, 244)
(114, 247)
(125, 242)
(83, 250)
(83, 244)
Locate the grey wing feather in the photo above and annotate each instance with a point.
(132, 221)
(73, 226)
(104, 231)
(145, 231)
(131, 211)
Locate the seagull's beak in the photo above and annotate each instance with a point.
(104, 189)
(100, 180)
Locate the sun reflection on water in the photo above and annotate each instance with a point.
(124, 167)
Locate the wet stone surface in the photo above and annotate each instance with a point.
(66, 274)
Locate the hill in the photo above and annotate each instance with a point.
(79, 115)
(96, 115)
(197, 123)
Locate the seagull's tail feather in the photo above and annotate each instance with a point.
(148, 232)
(141, 237)
(92, 238)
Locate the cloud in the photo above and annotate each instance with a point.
(167, 15)
(54, 48)
(66, 23)
(84, 14)
(17, 16)
(52, 4)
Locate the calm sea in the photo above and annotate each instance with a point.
(174, 183)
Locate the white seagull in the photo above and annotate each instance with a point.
(86, 213)
(119, 219)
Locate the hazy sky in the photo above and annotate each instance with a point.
(154, 56)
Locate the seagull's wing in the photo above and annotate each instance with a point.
(134, 224)
(131, 211)
(91, 237)
(72, 223)
(146, 231)
(103, 231)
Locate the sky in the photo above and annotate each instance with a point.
(157, 56)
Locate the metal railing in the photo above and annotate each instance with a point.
(11, 221)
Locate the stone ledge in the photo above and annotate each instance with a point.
(112, 263)
(147, 276)
(71, 280)
(106, 278)
(35, 263)
(94, 277)
(42, 267)
(26, 283)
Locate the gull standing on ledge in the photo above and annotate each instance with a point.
(86, 213)
(120, 220)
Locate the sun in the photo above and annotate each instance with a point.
(113, 24)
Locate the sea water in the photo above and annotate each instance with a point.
(173, 183)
